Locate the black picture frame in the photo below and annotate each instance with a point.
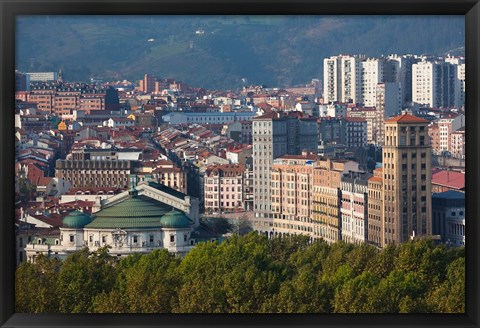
(11, 8)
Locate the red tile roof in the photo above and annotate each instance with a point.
(406, 118)
(450, 179)
(226, 170)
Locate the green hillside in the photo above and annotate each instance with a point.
(280, 50)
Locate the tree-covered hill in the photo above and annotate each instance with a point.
(251, 274)
(220, 51)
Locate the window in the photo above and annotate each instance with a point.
(72, 238)
(90, 238)
(151, 238)
(185, 237)
(104, 239)
(172, 238)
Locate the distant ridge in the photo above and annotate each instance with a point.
(220, 51)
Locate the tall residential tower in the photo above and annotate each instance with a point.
(406, 208)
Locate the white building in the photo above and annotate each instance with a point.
(137, 221)
(446, 126)
(433, 84)
(119, 121)
(460, 86)
(354, 210)
(42, 76)
(332, 110)
(341, 79)
(371, 75)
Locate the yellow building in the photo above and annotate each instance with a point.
(406, 179)
(62, 126)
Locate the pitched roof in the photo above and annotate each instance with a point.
(406, 118)
(450, 179)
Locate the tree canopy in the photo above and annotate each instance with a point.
(250, 274)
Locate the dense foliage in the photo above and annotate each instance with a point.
(250, 274)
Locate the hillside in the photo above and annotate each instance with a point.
(280, 50)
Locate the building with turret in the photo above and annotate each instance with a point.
(147, 217)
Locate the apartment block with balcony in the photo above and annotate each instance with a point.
(291, 192)
(354, 208)
(326, 200)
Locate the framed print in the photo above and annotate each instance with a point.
(239, 163)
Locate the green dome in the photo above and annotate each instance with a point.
(132, 212)
(76, 220)
(175, 219)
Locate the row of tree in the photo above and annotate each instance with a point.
(250, 274)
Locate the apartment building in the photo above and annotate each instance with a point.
(434, 135)
(354, 208)
(224, 187)
(276, 134)
(94, 173)
(342, 79)
(407, 179)
(331, 130)
(43, 97)
(404, 74)
(457, 144)
(64, 99)
(371, 116)
(171, 176)
(355, 132)
(326, 200)
(375, 226)
(446, 126)
(433, 84)
(291, 192)
(371, 76)
(147, 84)
(460, 86)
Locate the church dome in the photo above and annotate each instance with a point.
(76, 220)
(175, 219)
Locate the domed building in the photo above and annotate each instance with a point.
(148, 217)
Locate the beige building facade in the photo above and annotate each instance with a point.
(407, 179)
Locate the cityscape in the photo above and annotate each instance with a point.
(343, 193)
